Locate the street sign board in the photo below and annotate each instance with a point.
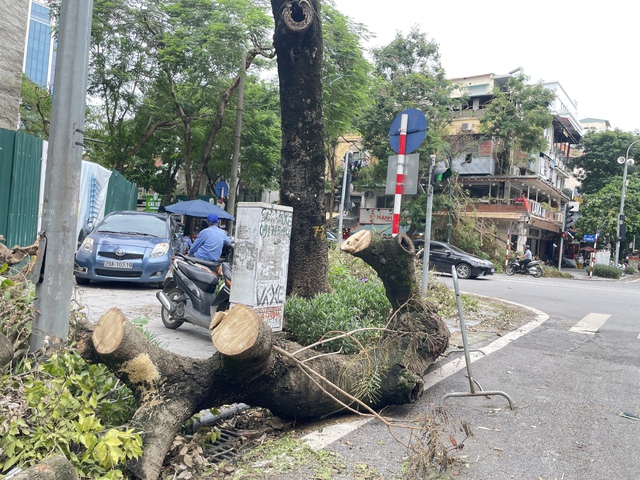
(410, 177)
(416, 130)
(589, 238)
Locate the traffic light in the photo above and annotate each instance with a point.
(623, 232)
(570, 215)
(567, 236)
(439, 174)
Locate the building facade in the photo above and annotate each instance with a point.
(40, 57)
(13, 25)
(526, 203)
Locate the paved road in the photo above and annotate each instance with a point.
(140, 302)
(568, 384)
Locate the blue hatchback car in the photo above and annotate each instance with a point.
(128, 247)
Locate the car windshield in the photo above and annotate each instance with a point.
(134, 225)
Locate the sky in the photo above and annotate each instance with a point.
(590, 48)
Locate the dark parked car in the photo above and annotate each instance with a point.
(443, 255)
(128, 247)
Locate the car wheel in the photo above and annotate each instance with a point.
(463, 270)
(82, 281)
(509, 270)
(536, 272)
(169, 321)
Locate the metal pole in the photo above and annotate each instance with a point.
(621, 214)
(344, 191)
(564, 224)
(449, 220)
(427, 229)
(395, 228)
(233, 181)
(62, 174)
(624, 189)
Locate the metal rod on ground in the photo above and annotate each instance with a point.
(463, 330)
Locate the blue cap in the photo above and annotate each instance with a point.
(212, 218)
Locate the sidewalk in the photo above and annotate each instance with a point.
(583, 274)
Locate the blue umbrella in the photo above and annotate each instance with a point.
(198, 208)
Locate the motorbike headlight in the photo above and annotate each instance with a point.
(159, 250)
(87, 245)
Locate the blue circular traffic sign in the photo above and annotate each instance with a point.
(416, 130)
(221, 188)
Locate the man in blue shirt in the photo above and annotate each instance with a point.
(208, 245)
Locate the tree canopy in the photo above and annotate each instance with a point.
(516, 119)
(598, 163)
(600, 209)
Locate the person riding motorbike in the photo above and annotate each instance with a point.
(526, 258)
(209, 243)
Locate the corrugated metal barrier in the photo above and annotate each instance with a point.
(20, 171)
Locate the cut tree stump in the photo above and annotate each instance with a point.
(256, 367)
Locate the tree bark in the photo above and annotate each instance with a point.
(56, 467)
(13, 256)
(298, 44)
(255, 367)
(6, 351)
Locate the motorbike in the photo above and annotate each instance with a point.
(532, 268)
(195, 290)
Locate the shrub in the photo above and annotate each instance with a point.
(630, 270)
(358, 301)
(606, 271)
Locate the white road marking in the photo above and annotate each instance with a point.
(321, 438)
(590, 323)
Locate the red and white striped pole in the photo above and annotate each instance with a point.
(400, 175)
(593, 255)
(506, 259)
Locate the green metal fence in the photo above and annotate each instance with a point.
(20, 163)
(20, 168)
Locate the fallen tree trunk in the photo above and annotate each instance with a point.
(13, 256)
(255, 367)
(56, 467)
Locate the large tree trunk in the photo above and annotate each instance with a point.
(255, 367)
(298, 43)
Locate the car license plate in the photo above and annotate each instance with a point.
(116, 264)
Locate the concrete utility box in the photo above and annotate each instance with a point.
(261, 259)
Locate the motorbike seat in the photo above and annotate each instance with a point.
(207, 263)
(204, 280)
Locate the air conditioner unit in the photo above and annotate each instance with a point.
(368, 194)
(513, 170)
(466, 126)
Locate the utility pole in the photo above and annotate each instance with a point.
(64, 163)
(564, 227)
(233, 181)
(427, 229)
